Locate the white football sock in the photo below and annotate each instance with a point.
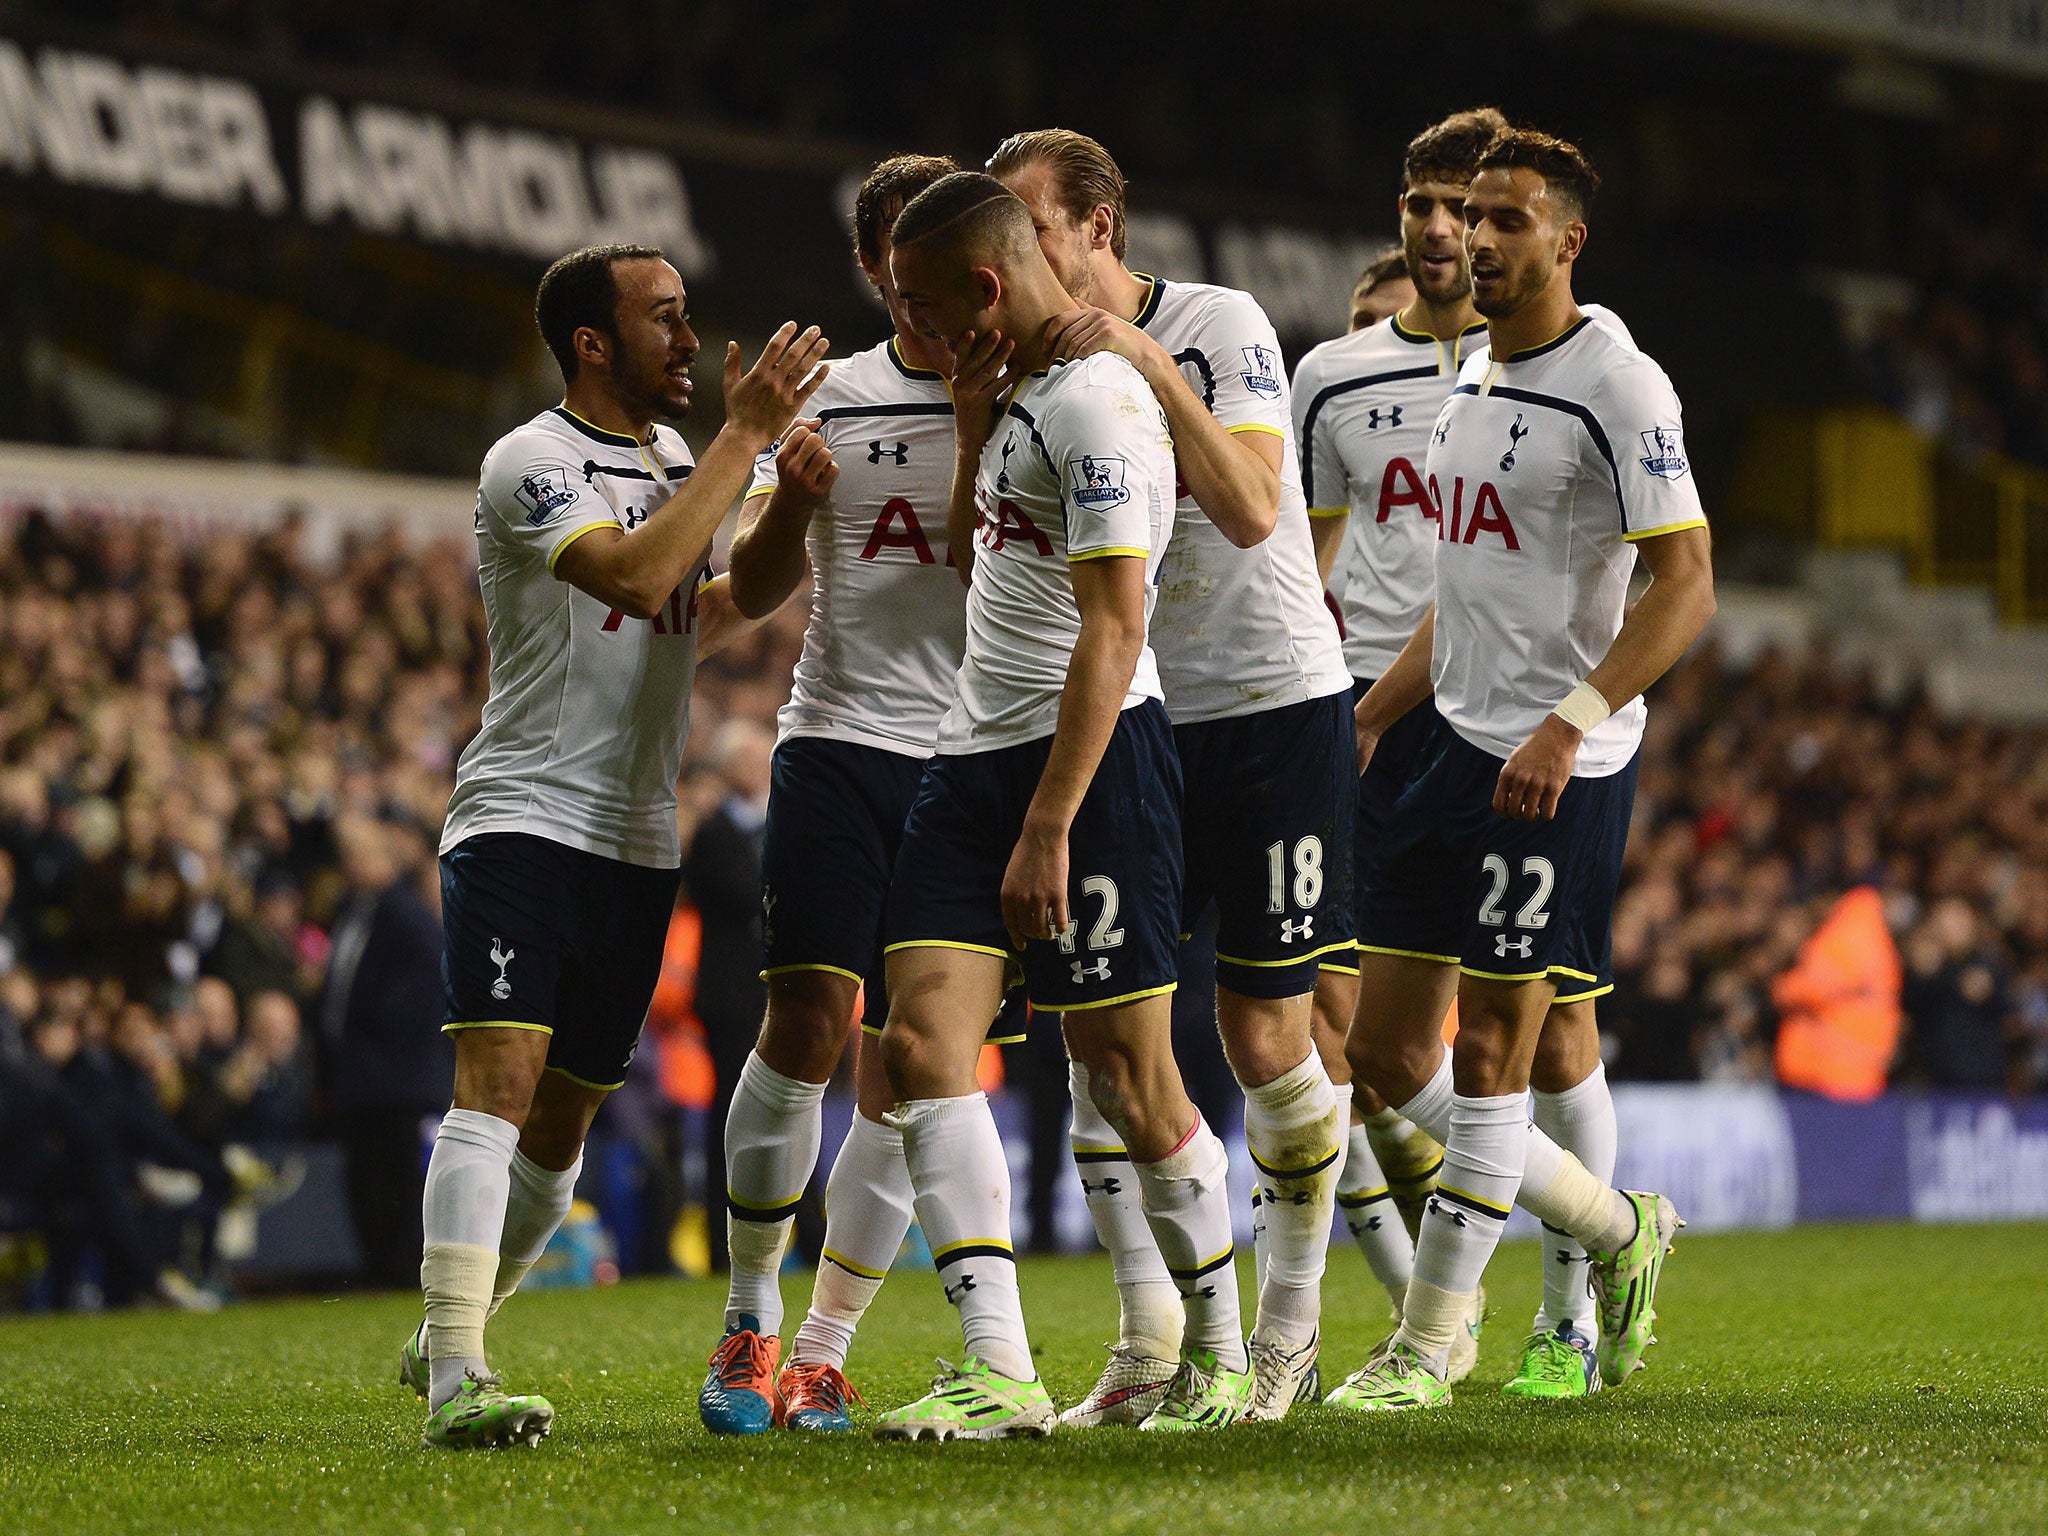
(1580, 1120)
(1149, 1303)
(1368, 1208)
(1483, 1156)
(867, 1212)
(539, 1199)
(1294, 1129)
(771, 1150)
(462, 1216)
(1187, 1205)
(1556, 1188)
(962, 1179)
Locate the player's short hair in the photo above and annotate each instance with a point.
(580, 290)
(1390, 264)
(1450, 150)
(1562, 165)
(970, 210)
(886, 192)
(1083, 172)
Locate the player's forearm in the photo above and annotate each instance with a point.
(1403, 685)
(1236, 489)
(768, 556)
(642, 571)
(1664, 622)
(1328, 533)
(1098, 678)
(961, 514)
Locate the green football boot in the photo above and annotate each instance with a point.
(1557, 1364)
(972, 1402)
(1395, 1379)
(412, 1362)
(481, 1415)
(1625, 1285)
(1203, 1395)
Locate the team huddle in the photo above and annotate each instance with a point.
(1072, 688)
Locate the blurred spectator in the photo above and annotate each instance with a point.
(722, 873)
(388, 1065)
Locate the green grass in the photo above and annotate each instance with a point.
(1847, 1379)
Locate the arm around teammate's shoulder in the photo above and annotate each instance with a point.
(637, 577)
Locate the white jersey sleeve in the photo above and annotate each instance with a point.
(535, 499)
(1325, 483)
(1639, 413)
(1247, 386)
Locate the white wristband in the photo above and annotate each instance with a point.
(1584, 707)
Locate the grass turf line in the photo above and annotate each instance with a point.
(1873, 1379)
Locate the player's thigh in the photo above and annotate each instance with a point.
(941, 998)
(1264, 1037)
(609, 976)
(1568, 1047)
(1132, 1076)
(1499, 1023)
(1396, 1036)
(836, 814)
(1123, 873)
(498, 1070)
(1271, 799)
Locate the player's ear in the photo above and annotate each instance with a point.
(1101, 228)
(1571, 242)
(591, 345)
(988, 286)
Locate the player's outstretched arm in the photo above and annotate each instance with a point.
(768, 557)
(1110, 593)
(1233, 476)
(637, 577)
(1658, 630)
(1399, 689)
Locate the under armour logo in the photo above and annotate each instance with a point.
(1299, 1197)
(1443, 430)
(1303, 930)
(1370, 1224)
(501, 957)
(1438, 1208)
(900, 453)
(955, 1292)
(1205, 1293)
(1503, 946)
(1377, 418)
(1109, 1186)
(1516, 433)
(1099, 970)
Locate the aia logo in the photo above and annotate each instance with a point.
(898, 528)
(1011, 524)
(1488, 515)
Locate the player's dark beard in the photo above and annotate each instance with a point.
(1461, 283)
(1522, 285)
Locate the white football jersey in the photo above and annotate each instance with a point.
(1364, 405)
(888, 610)
(1544, 468)
(1079, 467)
(1238, 630)
(583, 732)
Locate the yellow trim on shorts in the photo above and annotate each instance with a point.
(1582, 997)
(1104, 554)
(1651, 533)
(1107, 1002)
(1341, 970)
(847, 1264)
(584, 1082)
(1329, 511)
(587, 528)
(1505, 975)
(1255, 426)
(1565, 970)
(836, 970)
(1407, 954)
(1274, 965)
(972, 949)
(1004, 1039)
(455, 1024)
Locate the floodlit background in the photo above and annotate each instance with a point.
(266, 275)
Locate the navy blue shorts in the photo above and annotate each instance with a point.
(538, 935)
(1395, 761)
(1266, 833)
(1453, 881)
(1124, 871)
(836, 812)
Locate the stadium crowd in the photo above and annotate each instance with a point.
(223, 766)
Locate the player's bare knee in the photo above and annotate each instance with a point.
(1263, 1037)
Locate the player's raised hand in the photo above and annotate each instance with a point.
(804, 466)
(1085, 330)
(762, 401)
(1035, 887)
(981, 378)
(1533, 779)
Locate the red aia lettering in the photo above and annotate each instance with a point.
(1488, 515)
(1400, 486)
(886, 535)
(1013, 523)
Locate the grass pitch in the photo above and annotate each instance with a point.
(1846, 1379)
